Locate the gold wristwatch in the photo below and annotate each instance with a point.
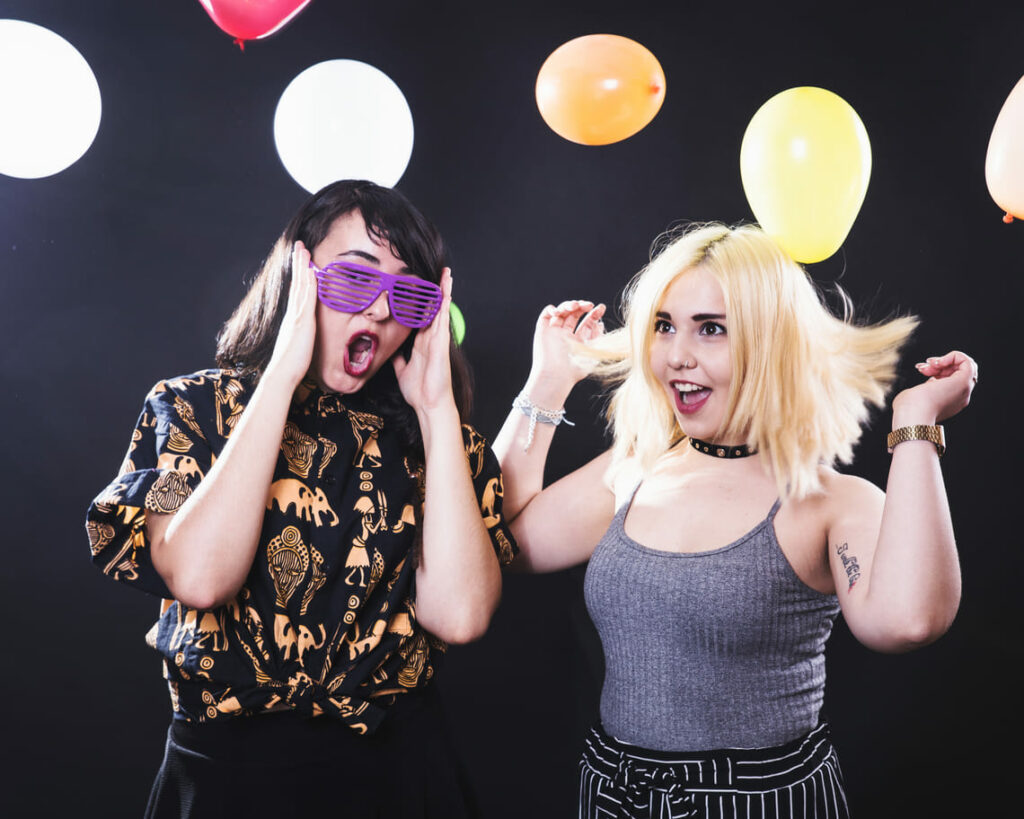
(918, 432)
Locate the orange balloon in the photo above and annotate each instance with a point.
(599, 89)
(1004, 161)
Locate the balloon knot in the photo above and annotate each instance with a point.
(240, 43)
(1008, 218)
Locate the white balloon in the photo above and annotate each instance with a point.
(343, 119)
(49, 101)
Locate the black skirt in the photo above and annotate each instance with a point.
(283, 765)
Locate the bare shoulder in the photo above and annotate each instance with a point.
(593, 473)
(841, 499)
(844, 496)
(623, 479)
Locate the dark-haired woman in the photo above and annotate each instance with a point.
(319, 524)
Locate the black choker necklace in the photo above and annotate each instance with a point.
(717, 451)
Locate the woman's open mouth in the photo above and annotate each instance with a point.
(690, 397)
(359, 354)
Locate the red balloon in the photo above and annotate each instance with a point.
(252, 19)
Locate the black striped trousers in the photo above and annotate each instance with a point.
(799, 780)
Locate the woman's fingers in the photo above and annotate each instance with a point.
(951, 380)
(565, 314)
(592, 322)
(442, 320)
(302, 290)
(296, 282)
(948, 365)
(446, 301)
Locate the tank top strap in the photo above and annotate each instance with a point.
(628, 502)
(775, 508)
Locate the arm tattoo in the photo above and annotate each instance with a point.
(849, 564)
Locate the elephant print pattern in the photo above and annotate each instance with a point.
(326, 620)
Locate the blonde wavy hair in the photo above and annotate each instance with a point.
(802, 378)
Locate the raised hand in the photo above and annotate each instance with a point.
(951, 380)
(293, 349)
(558, 327)
(426, 378)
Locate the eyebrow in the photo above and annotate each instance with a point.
(362, 254)
(369, 257)
(661, 314)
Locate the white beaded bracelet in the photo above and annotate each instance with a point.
(523, 403)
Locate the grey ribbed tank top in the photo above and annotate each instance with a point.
(707, 650)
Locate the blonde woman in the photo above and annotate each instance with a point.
(721, 540)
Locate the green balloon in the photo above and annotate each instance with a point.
(458, 323)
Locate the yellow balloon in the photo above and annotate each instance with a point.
(805, 162)
(1004, 161)
(599, 89)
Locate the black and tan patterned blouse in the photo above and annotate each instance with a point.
(326, 622)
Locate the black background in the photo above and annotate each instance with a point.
(119, 270)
